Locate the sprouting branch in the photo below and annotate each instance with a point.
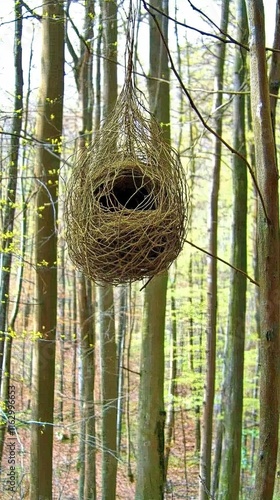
(31, 11)
(204, 123)
(32, 15)
(33, 139)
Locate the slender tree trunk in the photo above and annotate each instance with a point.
(274, 74)
(195, 352)
(108, 359)
(194, 369)
(274, 84)
(268, 255)
(83, 69)
(131, 315)
(108, 348)
(218, 447)
(74, 340)
(234, 355)
(172, 390)
(150, 463)
(62, 331)
(207, 418)
(87, 339)
(150, 460)
(8, 222)
(121, 348)
(255, 395)
(49, 132)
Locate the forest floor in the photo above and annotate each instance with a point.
(182, 481)
(183, 469)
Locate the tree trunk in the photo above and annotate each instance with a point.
(150, 461)
(74, 343)
(274, 74)
(274, 84)
(48, 132)
(108, 348)
(172, 383)
(83, 69)
(268, 255)
(122, 331)
(150, 464)
(208, 404)
(234, 355)
(130, 330)
(87, 339)
(8, 221)
(108, 359)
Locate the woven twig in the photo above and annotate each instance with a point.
(125, 204)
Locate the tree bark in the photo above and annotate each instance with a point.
(208, 404)
(121, 341)
(172, 383)
(48, 132)
(108, 358)
(150, 459)
(234, 353)
(108, 348)
(83, 69)
(268, 255)
(274, 84)
(8, 222)
(87, 339)
(274, 74)
(150, 464)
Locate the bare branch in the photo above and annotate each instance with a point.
(33, 139)
(205, 33)
(31, 11)
(223, 261)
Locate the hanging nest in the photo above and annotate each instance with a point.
(125, 204)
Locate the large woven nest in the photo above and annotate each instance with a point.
(125, 204)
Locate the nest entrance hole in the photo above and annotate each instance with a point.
(131, 190)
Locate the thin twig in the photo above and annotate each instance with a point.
(204, 33)
(147, 282)
(230, 39)
(224, 262)
(131, 371)
(206, 489)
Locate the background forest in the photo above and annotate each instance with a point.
(166, 387)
